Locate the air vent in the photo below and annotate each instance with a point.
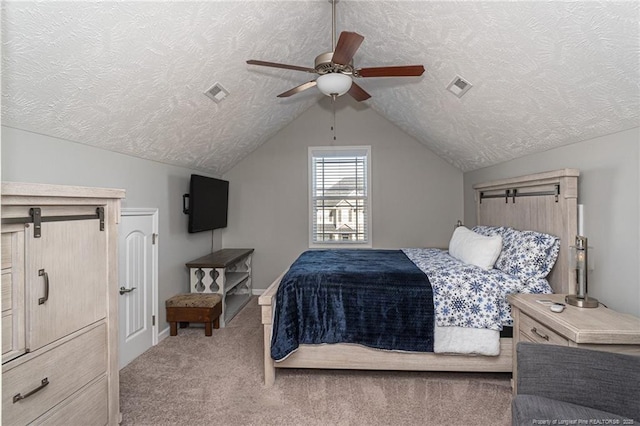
(459, 86)
(217, 93)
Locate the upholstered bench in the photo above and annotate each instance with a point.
(193, 307)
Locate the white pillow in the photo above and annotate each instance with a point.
(475, 249)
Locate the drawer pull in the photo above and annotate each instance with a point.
(20, 397)
(544, 336)
(44, 274)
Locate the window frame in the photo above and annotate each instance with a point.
(340, 151)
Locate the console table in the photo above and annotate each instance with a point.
(226, 272)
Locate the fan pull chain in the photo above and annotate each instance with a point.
(333, 108)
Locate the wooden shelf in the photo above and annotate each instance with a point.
(234, 278)
(226, 272)
(235, 302)
(220, 259)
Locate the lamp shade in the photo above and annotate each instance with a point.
(334, 84)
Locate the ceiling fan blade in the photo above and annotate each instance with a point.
(276, 65)
(358, 93)
(399, 71)
(347, 45)
(298, 89)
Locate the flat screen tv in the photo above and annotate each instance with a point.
(208, 203)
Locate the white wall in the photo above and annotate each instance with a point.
(609, 189)
(269, 205)
(31, 157)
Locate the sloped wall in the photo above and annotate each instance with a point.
(31, 157)
(609, 189)
(416, 196)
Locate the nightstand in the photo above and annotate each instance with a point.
(593, 328)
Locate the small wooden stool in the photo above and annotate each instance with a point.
(193, 307)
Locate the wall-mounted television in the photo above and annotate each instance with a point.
(208, 203)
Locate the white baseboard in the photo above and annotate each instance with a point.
(163, 334)
(257, 291)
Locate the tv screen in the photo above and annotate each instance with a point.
(208, 199)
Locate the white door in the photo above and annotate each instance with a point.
(137, 270)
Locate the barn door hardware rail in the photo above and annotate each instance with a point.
(514, 193)
(35, 217)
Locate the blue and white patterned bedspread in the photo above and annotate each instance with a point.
(467, 296)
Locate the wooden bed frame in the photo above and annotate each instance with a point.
(544, 202)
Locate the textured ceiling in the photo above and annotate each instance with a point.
(130, 76)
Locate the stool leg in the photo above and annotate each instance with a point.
(173, 329)
(207, 329)
(216, 323)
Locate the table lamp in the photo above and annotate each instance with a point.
(581, 262)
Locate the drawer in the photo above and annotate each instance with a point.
(88, 406)
(67, 368)
(7, 249)
(6, 290)
(525, 338)
(538, 333)
(7, 332)
(13, 332)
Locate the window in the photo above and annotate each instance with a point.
(340, 203)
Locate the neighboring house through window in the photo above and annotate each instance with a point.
(339, 196)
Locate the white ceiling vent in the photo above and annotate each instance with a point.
(217, 93)
(459, 86)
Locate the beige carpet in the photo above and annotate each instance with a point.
(191, 379)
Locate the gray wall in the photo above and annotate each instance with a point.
(31, 157)
(609, 189)
(416, 196)
(269, 195)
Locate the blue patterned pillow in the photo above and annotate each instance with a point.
(488, 231)
(527, 254)
(536, 286)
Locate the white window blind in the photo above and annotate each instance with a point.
(339, 195)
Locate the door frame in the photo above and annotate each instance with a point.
(153, 212)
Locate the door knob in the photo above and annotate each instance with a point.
(126, 290)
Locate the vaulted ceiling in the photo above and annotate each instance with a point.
(130, 76)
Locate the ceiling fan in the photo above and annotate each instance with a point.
(336, 71)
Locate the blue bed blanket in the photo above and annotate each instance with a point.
(376, 298)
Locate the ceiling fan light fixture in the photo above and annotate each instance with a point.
(334, 84)
(335, 69)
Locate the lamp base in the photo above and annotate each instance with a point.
(582, 302)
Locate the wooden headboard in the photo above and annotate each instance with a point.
(544, 202)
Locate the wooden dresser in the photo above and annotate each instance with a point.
(598, 328)
(59, 304)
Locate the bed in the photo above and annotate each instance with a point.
(544, 202)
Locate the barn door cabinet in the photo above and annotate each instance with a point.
(59, 304)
